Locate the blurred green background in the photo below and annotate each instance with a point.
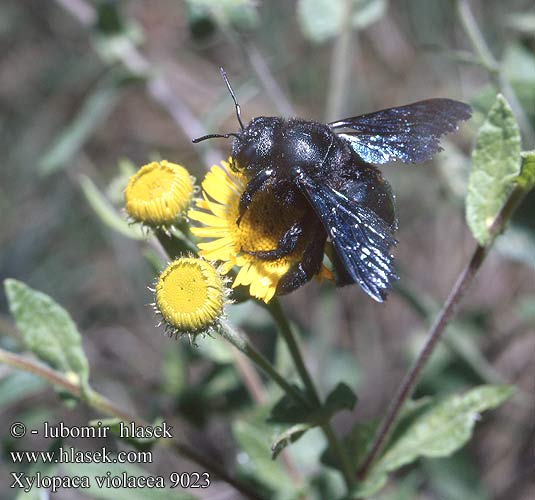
(84, 85)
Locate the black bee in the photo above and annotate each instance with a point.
(328, 172)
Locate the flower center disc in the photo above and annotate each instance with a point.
(158, 193)
(264, 223)
(189, 294)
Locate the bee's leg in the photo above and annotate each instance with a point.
(257, 183)
(285, 246)
(303, 271)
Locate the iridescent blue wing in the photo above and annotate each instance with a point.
(361, 239)
(408, 133)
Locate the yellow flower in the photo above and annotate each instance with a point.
(261, 227)
(190, 296)
(159, 193)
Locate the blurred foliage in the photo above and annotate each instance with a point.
(71, 107)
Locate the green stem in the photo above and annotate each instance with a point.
(243, 345)
(107, 407)
(280, 318)
(345, 50)
(173, 245)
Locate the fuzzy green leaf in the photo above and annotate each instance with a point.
(47, 329)
(254, 437)
(495, 166)
(526, 179)
(444, 427)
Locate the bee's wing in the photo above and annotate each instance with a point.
(408, 133)
(361, 239)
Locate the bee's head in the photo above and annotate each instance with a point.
(255, 143)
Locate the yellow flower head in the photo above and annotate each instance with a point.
(190, 296)
(260, 228)
(159, 193)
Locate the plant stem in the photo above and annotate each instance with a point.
(173, 245)
(276, 311)
(280, 318)
(465, 279)
(340, 72)
(107, 407)
(408, 383)
(243, 345)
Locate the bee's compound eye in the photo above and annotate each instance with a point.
(245, 155)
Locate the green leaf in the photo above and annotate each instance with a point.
(526, 179)
(288, 437)
(324, 19)
(242, 14)
(19, 385)
(455, 477)
(524, 22)
(254, 438)
(113, 34)
(373, 483)
(443, 428)
(287, 410)
(495, 166)
(107, 214)
(109, 18)
(47, 329)
(367, 12)
(340, 398)
(94, 111)
(320, 19)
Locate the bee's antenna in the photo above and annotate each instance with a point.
(213, 136)
(238, 109)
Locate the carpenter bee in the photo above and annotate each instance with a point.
(327, 171)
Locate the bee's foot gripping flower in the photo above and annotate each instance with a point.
(159, 194)
(190, 297)
(260, 229)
